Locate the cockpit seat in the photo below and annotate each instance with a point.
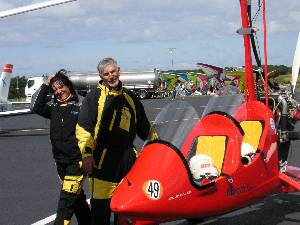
(214, 146)
(252, 134)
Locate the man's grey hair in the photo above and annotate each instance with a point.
(105, 62)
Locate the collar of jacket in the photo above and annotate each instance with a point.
(111, 90)
(73, 100)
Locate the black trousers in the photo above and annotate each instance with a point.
(101, 211)
(115, 165)
(72, 199)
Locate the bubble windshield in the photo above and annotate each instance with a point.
(176, 120)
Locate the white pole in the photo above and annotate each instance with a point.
(171, 50)
(296, 65)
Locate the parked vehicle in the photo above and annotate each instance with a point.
(33, 84)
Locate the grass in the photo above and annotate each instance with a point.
(17, 100)
(286, 79)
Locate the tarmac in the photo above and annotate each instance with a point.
(30, 186)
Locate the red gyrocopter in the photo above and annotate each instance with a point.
(230, 158)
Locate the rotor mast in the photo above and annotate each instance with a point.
(246, 30)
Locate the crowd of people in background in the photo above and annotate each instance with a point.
(182, 89)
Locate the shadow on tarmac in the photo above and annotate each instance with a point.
(283, 209)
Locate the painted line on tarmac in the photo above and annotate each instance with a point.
(35, 129)
(47, 220)
(51, 218)
(25, 129)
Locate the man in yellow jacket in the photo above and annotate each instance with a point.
(109, 120)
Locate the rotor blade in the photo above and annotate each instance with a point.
(24, 9)
(296, 64)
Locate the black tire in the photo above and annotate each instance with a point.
(195, 220)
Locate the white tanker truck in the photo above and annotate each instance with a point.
(145, 84)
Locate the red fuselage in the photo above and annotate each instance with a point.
(160, 187)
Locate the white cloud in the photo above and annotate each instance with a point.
(151, 32)
(275, 27)
(5, 5)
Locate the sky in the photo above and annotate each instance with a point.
(140, 33)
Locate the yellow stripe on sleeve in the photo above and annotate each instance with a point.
(85, 140)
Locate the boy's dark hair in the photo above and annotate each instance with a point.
(61, 76)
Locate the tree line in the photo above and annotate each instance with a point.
(17, 87)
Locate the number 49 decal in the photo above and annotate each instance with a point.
(153, 189)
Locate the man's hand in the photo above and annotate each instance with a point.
(87, 164)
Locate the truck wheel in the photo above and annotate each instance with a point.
(143, 94)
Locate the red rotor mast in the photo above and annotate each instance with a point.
(246, 31)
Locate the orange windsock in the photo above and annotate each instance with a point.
(8, 68)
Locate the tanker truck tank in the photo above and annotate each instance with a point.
(143, 83)
(84, 81)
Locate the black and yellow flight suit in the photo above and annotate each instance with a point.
(108, 123)
(67, 156)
